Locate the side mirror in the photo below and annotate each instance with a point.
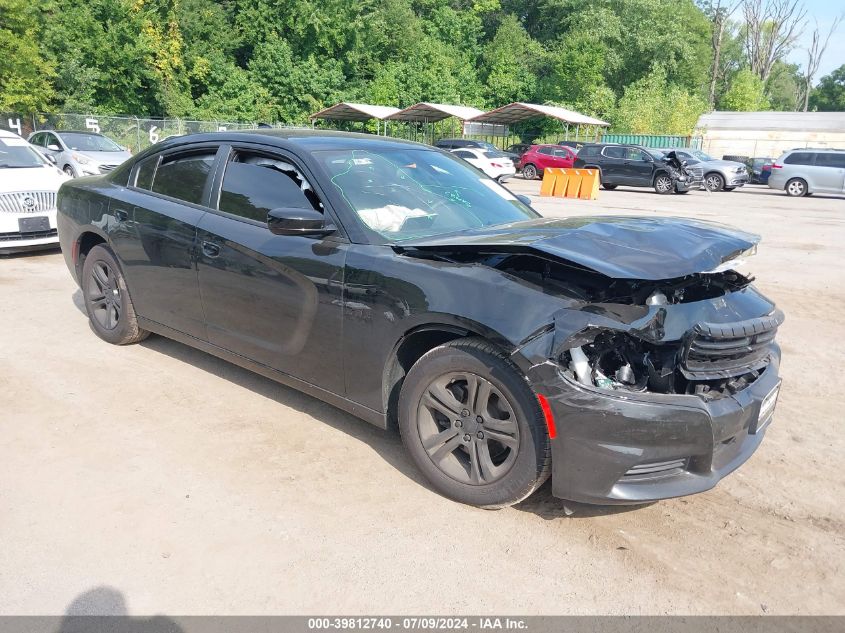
(51, 158)
(295, 221)
(54, 147)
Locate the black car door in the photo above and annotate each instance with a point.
(275, 299)
(157, 215)
(639, 167)
(612, 166)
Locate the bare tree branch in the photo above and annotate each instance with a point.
(772, 28)
(814, 58)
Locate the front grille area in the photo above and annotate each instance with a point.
(725, 350)
(655, 470)
(104, 169)
(28, 235)
(28, 202)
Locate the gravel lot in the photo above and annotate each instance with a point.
(192, 486)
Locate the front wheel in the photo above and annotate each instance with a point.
(69, 171)
(714, 182)
(663, 184)
(107, 301)
(796, 188)
(472, 425)
(529, 172)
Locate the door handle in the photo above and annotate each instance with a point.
(210, 249)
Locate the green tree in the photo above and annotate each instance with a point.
(829, 95)
(746, 93)
(652, 105)
(25, 76)
(510, 62)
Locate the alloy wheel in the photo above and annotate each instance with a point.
(468, 428)
(795, 188)
(663, 184)
(713, 182)
(104, 296)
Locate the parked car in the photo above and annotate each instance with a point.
(456, 143)
(539, 157)
(805, 171)
(28, 186)
(633, 166)
(515, 152)
(759, 170)
(718, 175)
(624, 357)
(576, 145)
(80, 153)
(494, 164)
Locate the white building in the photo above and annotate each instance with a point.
(768, 133)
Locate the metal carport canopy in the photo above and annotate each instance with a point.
(431, 112)
(346, 111)
(516, 112)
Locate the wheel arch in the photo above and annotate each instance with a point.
(416, 342)
(85, 241)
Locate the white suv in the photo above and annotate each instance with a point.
(28, 186)
(801, 172)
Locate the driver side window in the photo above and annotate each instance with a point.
(255, 183)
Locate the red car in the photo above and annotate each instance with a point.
(538, 157)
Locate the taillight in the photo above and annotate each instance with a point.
(496, 165)
(776, 166)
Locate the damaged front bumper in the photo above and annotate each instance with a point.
(615, 447)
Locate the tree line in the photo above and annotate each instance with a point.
(648, 66)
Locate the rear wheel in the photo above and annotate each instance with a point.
(529, 172)
(473, 426)
(663, 184)
(796, 187)
(107, 301)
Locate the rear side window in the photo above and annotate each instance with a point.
(183, 176)
(830, 159)
(799, 158)
(256, 183)
(614, 152)
(144, 173)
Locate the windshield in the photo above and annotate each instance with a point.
(82, 142)
(406, 194)
(698, 154)
(16, 153)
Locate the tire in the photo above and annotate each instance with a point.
(529, 172)
(796, 187)
(663, 184)
(107, 300)
(608, 187)
(450, 451)
(69, 171)
(714, 182)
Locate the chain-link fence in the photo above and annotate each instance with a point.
(133, 133)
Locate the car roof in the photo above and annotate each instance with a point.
(295, 138)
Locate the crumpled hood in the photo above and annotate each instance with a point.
(617, 246)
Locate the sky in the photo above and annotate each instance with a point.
(825, 11)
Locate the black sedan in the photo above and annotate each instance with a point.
(625, 357)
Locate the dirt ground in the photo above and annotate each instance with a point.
(191, 486)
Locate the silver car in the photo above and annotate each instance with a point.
(80, 153)
(802, 172)
(719, 175)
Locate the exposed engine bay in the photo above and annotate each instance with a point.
(622, 336)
